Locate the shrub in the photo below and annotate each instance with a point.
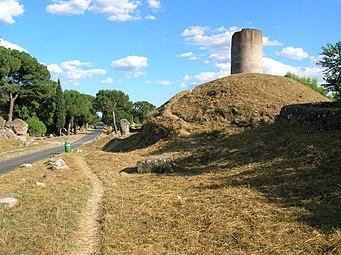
(35, 126)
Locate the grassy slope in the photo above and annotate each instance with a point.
(274, 189)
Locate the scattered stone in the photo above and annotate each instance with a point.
(155, 164)
(20, 180)
(8, 201)
(80, 151)
(39, 169)
(40, 184)
(57, 164)
(15, 195)
(125, 124)
(26, 165)
(51, 136)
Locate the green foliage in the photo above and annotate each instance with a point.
(311, 83)
(36, 127)
(332, 74)
(18, 73)
(60, 114)
(109, 101)
(141, 109)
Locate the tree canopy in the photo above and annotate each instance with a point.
(331, 59)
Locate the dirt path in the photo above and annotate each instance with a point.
(86, 238)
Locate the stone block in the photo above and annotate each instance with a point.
(155, 164)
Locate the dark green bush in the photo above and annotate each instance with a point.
(35, 126)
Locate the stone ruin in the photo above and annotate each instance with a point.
(125, 126)
(247, 51)
(16, 129)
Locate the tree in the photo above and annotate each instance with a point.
(79, 109)
(113, 103)
(332, 75)
(18, 73)
(60, 113)
(141, 109)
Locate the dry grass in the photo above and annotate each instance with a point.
(46, 217)
(269, 190)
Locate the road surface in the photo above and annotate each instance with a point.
(10, 164)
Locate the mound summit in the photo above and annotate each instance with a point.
(232, 102)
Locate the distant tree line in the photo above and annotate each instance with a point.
(27, 92)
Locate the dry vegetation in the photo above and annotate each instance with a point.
(46, 217)
(274, 189)
(259, 188)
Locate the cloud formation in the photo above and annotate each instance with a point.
(216, 45)
(74, 70)
(293, 53)
(10, 45)
(117, 11)
(10, 9)
(130, 63)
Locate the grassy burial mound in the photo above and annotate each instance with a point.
(227, 104)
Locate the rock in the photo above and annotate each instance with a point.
(2, 123)
(40, 184)
(57, 164)
(26, 165)
(155, 164)
(8, 201)
(124, 126)
(8, 133)
(20, 180)
(19, 126)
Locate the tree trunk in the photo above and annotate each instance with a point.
(11, 105)
(114, 121)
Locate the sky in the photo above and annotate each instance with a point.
(153, 49)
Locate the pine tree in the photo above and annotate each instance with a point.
(60, 109)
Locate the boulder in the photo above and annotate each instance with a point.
(19, 126)
(155, 164)
(2, 123)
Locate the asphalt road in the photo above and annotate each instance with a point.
(10, 164)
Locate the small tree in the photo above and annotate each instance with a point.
(332, 75)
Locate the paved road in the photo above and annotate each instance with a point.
(10, 164)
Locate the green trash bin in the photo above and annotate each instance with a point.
(67, 146)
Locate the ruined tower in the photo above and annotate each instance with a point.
(247, 51)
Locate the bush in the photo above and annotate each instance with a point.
(36, 127)
(311, 83)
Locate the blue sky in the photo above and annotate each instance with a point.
(153, 49)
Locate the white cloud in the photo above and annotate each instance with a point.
(271, 66)
(130, 63)
(194, 31)
(108, 80)
(119, 10)
(71, 7)
(267, 42)
(186, 55)
(74, 70)
(154, 4)
(10, 9)
(164, 82)
(293, 53)
(132, 75)
(150, 17)
(10, 45)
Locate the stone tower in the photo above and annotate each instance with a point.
(247, 51)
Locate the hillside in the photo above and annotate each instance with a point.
(228, 104)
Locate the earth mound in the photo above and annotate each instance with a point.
(230, 104)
